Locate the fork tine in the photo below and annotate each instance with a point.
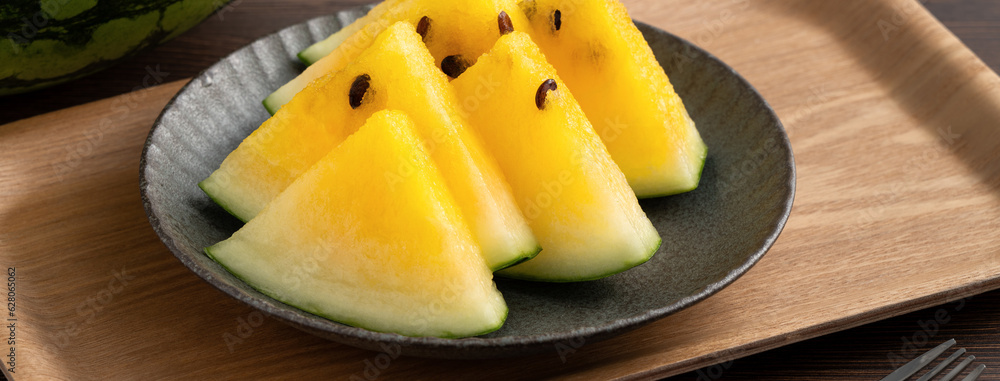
(944, 364)
(958, 368)
(974, 374)
(918, 363)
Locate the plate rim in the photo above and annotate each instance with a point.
(507, 346)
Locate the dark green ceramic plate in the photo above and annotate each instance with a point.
(711, 236)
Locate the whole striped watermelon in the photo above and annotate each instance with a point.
(46, 42)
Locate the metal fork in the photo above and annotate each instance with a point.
(925, 359)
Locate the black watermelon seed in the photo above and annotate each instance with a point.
(503, 21)
(358, 90)
(423, 26)
(557, 19)
(543, 91)
(454, 65)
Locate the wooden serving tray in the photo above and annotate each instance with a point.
(894, 125)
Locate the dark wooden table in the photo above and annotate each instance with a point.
(864, 353)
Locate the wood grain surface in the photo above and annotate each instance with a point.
(894, 128)
(976, 22)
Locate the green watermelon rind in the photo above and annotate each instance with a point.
(316, 52)
(205, 187)
(525, 256)
(695, 179)
(347, 322)
(38, 50)
(556, 279)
